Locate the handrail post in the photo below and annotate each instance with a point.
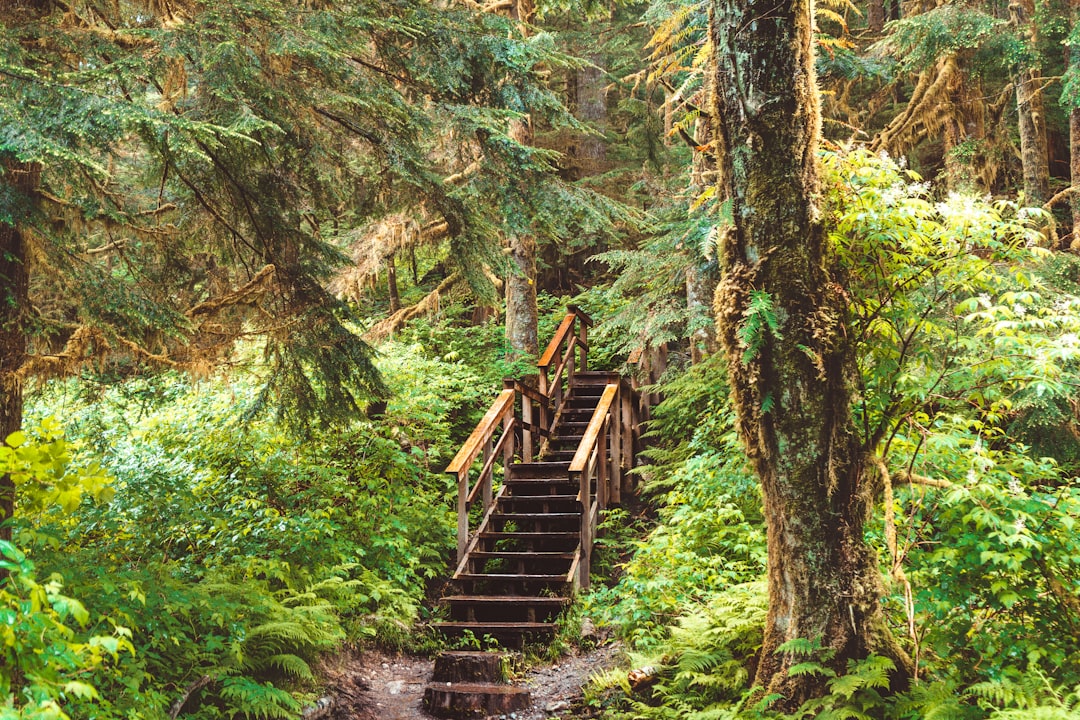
(462, 513)
(527, 425)
(585, 540)
(510, 424)
(602, 476)
(485, 488)
(628, 440)
(583, 336)
(615, 486)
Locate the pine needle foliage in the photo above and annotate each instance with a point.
(202, 161)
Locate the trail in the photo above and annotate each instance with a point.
(374, 685)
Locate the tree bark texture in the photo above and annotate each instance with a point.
(521, 311)
(875, 16)
(1031, 115)
(24, 179)
(1074, 175)
(591, 108)
(792, 395)
(392, 286)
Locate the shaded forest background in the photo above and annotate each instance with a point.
(263, 264)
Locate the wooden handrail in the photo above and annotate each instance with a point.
(592, 431)
(484, 429)
(557, 340)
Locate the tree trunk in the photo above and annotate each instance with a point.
(391, 284)
(1074, 175)
(792, 388)
(875, 16)
(1032, 118)
(521, 312)
(591, 109)
(24, 179)
(700, 287)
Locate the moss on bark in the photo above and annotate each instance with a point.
(793, 396)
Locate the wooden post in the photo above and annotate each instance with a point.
(509, 423)
(462, 514)
(583, 335)
(485, 489)
(602, 477)
(615, 484)
(527, 423)
(629, 436)
(585, 539)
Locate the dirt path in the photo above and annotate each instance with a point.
(372, 685)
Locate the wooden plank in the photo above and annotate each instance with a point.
(484, 430)
(592, 432)
(560, 337)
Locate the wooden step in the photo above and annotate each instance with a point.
(547, 601)
(504, 608)
(521, 471)
(536, 522)
(580, 402)
(473, 700)
(539, 503)
(542, 487)
(510, 583)
(595, 377)
(544, 563)
(514, 632)
(574, 428)
(529, 541)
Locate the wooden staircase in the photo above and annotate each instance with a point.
(562, 445)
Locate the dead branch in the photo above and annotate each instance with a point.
(1071, 190)
(242, 294)
(385, 328)
(174, 711)
(908, 478)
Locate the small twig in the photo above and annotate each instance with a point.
(194, 687)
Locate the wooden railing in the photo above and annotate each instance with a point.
(566, 354)
(519, 422)
(602, 464)
(524, 416)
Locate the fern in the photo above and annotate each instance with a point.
(760, 322)
(258, 700)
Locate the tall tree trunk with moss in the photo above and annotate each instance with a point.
(701, 276)
(781, 319)
(21, 180)
(521, 311)
(1030, 111)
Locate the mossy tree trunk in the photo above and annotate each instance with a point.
(1030, 111)
(521, 310)
(23, 179)
(792, 386)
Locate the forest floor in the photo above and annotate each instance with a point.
(375, 685)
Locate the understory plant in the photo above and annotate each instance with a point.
(969, 358)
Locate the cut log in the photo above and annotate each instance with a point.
(467, 700)
(470, 667)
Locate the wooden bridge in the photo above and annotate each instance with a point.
(563, 446)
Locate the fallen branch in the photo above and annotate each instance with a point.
(385, 328)
(908, 478)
